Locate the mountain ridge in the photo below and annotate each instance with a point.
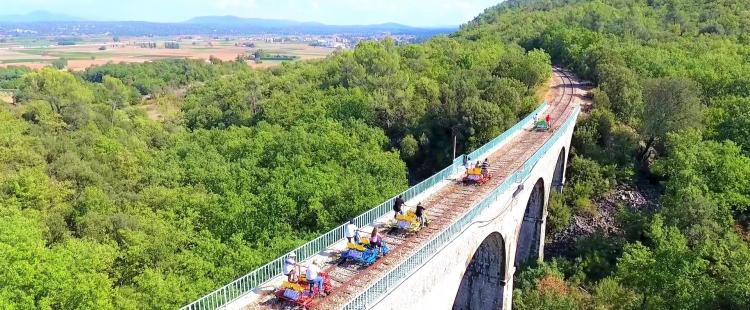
(56, 24)
(39, 16)
(222, 20)
(232, 19)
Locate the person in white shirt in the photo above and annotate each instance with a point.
(314, 278)
(350, 232)
(291, 269)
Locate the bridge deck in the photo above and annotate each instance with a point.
(443, 207)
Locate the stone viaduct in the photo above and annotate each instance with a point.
(468, 258)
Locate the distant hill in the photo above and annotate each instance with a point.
(46, 23)
(38, 16)
(234, 20)
(296, 26)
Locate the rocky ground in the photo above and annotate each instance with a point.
(642, 197)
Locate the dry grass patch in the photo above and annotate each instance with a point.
(6, 97)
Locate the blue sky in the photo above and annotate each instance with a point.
(340, 12)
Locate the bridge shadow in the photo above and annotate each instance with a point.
(395, 232)
(277, 304)
(567, 85)
(482, 285)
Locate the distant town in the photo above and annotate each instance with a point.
(343, 41)
(42, 39)
(39, 40)
(23, 48)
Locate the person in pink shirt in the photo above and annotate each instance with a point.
(376, 239)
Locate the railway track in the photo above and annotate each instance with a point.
(444, 207)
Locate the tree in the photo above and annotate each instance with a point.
(531, 69)
(60, 63)
(671, 104)
(227, 101)
(59, 89)
(409, 146)
(559, 213)
(621, 86)
(117, 93)
(668, 274)
(717, 169)
(729, 119)
(544, 287)
(506, 92)
(609, 294)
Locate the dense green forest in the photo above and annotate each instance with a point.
(104, 205)
(671, 110)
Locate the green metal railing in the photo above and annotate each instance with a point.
(388, 281)
(247, 283)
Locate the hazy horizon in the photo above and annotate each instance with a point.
(420, 13)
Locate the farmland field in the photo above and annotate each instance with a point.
(36, 53)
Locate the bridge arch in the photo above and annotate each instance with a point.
(483, 283)
(530, 233)
(558, 177)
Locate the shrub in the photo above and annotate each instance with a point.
(559, 213)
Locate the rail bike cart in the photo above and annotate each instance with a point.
(474, 176)
(299, 293)
(541, 125)
(408, 222)
(363, 253)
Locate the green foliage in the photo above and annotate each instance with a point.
(669, 273)
(60, 63)
(729, 119)
(544, 287)
(10, 77)
(589, 179)
(559, 216)
(671, 104)
(717, 170)
(245, 165)
(107, 209)
(601, 137)
(71, 274)
(229, 100)
(62, 92)
(419, 91)
(154, 77)
(298, 178)
(409, 146)
(117, 93)
(597, 255)
(532, 71)
(609, 294)
(623, 91)
(656, 63)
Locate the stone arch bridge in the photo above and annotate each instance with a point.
(478, 236)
